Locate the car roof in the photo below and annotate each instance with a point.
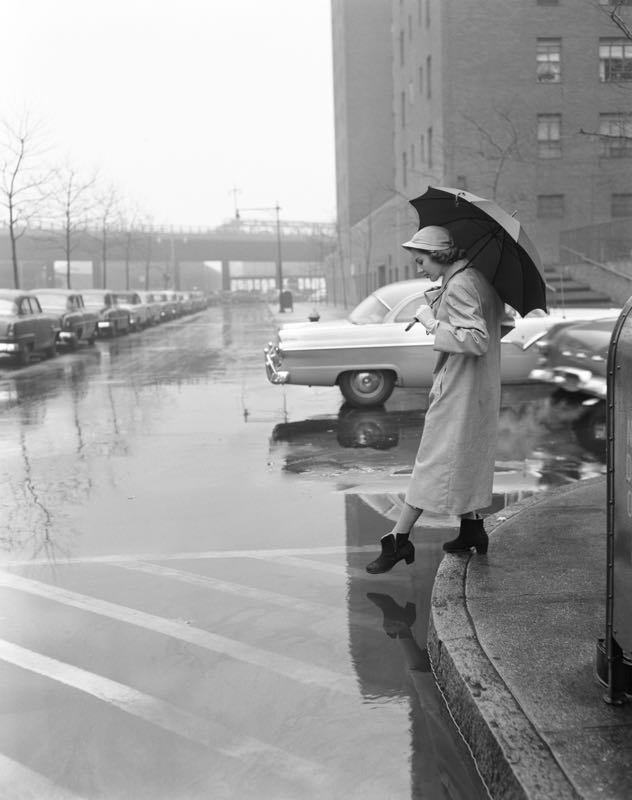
(394, 293)
(54, 290)
(11, 294)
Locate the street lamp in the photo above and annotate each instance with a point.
(279, 264)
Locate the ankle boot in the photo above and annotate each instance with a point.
(471, 534)
(393, 550)
(398, 620)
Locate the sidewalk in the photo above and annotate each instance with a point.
(302, 310)
(512, 640)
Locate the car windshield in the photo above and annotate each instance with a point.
(7, 306)
(370, 310)
(129, 297)
(93, 301)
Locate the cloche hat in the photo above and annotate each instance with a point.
(431, 238)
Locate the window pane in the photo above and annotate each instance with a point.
(548, 59)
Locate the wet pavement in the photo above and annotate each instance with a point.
(186, 611)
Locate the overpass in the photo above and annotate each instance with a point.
(171, 257)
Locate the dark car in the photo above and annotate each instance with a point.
(25, 330)
(76, 323)
(113, 319)
(574, 357)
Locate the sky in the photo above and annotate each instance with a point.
(178, 103)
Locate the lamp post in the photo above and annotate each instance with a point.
(279, 263)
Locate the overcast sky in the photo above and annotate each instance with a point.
(178, 102)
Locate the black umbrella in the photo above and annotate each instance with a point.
(495, 242)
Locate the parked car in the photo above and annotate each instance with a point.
(154, 307)
(370, 352)
(136, 307)
(574, 357)
(25, 330)
(168, 308)
(113, 320)
(76, 324)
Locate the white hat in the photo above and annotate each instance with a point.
(431, 238)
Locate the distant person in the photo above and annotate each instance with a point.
(454, 467)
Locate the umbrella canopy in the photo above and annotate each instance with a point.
(494, 240)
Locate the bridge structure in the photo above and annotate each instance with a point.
(254, 251)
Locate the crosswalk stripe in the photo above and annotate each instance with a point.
(190, 556)
(251, 593)
(18, 782)
(289, 667)
(162, 714)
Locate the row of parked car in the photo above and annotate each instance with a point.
(371, 352)
(38, 321)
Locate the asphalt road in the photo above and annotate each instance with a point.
(185, 608)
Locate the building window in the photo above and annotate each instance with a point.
(428, 76)
(404, 169)
(429, 154)
(616, 135)
(621, 205)
(615, 60)
(549, 57)
(550, 206)
(549, 136)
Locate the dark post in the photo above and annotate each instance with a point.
(279, 266)
(616, 648)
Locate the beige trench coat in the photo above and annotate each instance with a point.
(454, 467)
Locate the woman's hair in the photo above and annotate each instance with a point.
(448, 256)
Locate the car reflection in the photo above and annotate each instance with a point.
(544, 439)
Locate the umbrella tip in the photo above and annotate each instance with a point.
(514, 212)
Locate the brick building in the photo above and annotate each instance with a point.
(525, 101)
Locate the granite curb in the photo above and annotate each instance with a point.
(512, 758)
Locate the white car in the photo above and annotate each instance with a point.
(370, 352)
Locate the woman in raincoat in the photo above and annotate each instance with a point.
(454, 467)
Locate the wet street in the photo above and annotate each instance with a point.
(185, 610)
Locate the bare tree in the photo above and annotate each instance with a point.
(73, 206)
(108, 214)
(23, 184)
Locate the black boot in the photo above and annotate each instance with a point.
(392, 551)
(471, 534)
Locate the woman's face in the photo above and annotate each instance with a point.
(427, 266)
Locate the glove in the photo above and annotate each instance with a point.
(426, 316)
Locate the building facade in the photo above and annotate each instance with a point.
(528, 102)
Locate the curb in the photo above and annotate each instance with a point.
(512, 758)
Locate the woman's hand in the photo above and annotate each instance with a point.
(426, 316)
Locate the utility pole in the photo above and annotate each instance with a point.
(279, 263)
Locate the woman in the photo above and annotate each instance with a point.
(454, 467)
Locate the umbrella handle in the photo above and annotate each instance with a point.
(410, 324)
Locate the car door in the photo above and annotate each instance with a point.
(416, 356)
(42, 325)
(26, 323)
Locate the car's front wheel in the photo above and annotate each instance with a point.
(367, 387)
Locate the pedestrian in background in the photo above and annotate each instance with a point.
(454, 467)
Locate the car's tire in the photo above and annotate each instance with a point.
(91, 340)
(51, 350)
(367, 387)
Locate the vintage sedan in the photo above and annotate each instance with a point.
(25, 330)
(370, 352)
(154, 307)
(113, 319)
(574, 357)
(136, 307)
(76, 323)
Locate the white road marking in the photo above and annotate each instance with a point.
(251, 593)
(124, 557)
(306, 563)
(18, 782)
(287, 666)
(161, 714)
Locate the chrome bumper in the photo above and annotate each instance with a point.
(571, 379)
(272, 356)
(9, 347)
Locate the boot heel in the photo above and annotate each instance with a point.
(481, 547)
